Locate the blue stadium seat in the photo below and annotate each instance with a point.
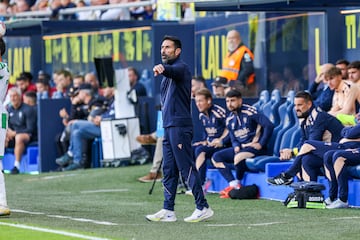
(263, 98)
(271, 108)
(288, 121)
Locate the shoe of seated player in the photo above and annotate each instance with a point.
(281, 179)
(200, 215)
(163, 215)
(225, 192)
(338, 204)
(328, 201)
(4, 211)
(14, 170)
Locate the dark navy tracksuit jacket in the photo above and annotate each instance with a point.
(175, 94)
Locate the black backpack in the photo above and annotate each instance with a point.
(245, 192)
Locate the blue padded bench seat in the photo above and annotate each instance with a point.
(29, 160)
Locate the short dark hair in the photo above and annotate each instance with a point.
(233, 93)
(200, 79)
(332, 72)
(2, 46)
(44, 81)
(355, 64)
(204, 92)
(305, 95)
(135, 72)
(342, 61)
(174, 39)
(27, 75)
(31, 94)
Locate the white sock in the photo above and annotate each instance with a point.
(3, 201)
(69, 153)
(234, 183)
(17, 164)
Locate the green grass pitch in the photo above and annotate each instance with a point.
(109, 203)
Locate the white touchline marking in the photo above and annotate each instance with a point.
(344, 218)
(51, 177)
(240, 224)
(67, 217)
(53, 231)
(105, 190)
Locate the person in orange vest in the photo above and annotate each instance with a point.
(238, 65)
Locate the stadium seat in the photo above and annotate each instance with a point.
(354, 171)
(271, 108)
(287, 121)
(263, 98)
(29, 160)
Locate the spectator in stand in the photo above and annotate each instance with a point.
(64, 4)
(85, 130)
(116, 13)
(220, 87)
(22, 5)
(141, 13)
(23, 82)
(84, 15)
(292, 82)
(22, 126)
(3, 11)
(249, 131)
(30, 98)
(134, 76)
(319, 89)
(276, 81)
(79, 110)
(196, 84)
(344, 99)
(342, 65)
(94, 82)
(40, 5)
(353, 71)
(63, 84)
(78, 80)
(43, 89)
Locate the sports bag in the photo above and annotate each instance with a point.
(245, 192)
(306, 195)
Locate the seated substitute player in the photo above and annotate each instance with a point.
(249, 133)
(336, 162)
(315, 125)
(213, 118)
(337, 156)
(22, 126)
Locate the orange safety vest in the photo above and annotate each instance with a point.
(231, 65)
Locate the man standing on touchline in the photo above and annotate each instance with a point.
(175, 94)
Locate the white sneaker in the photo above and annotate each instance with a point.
(200, 215)
(4, 211)
(328, 201)
(162, 216)
(338, 204)
(189, 192)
